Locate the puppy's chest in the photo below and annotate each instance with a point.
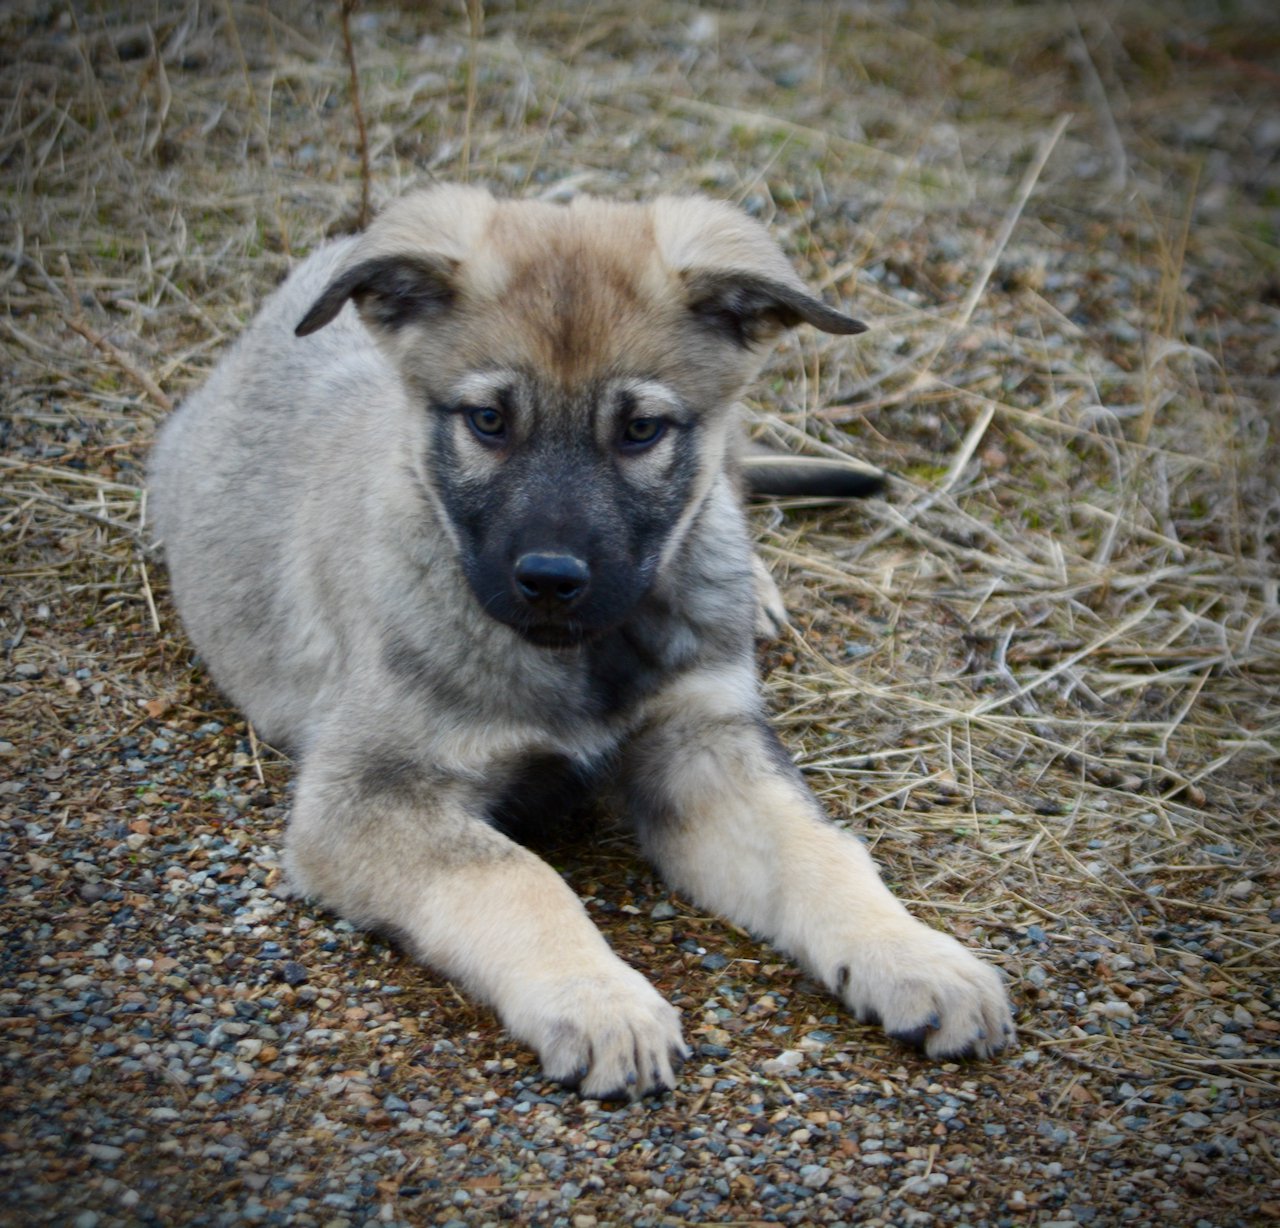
(486, 675)
(597, 689)
(623, 668)
(540, 795)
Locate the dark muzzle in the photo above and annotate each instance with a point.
(551, 583)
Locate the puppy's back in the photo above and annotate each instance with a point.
(243, 474)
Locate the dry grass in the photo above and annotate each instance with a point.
(1044, 673)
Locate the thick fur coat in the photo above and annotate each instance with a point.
(457, 522)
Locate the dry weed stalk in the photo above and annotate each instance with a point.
(346, 8)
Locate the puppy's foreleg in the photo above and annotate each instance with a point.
(728, 820)
(395, 848)
(771, 610)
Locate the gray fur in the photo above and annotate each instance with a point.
(337, 527)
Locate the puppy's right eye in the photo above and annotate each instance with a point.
(488, 423)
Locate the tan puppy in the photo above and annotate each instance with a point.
(457, 521)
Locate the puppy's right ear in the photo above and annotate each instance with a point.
(389, 291)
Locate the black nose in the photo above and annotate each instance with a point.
(551, 579)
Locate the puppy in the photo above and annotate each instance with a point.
(457, 520)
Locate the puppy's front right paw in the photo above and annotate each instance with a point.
(611, 1037)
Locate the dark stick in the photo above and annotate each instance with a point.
(346, 9)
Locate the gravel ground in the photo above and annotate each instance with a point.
(1041, 675)
(175, 1024)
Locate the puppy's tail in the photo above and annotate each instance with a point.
(782, 475)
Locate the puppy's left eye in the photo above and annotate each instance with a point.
(642, 432)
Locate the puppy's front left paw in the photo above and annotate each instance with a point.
(926, 990)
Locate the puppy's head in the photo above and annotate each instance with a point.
(573, 367)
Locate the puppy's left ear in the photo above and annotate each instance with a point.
(748, 307)
(736, 281)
